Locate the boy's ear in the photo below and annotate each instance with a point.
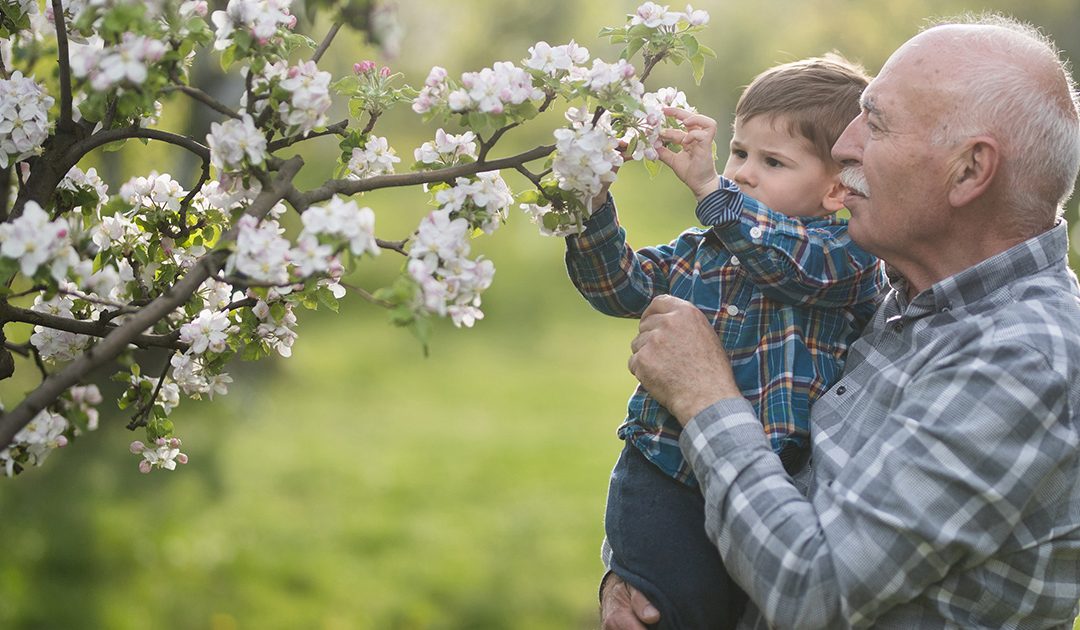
(834, 197)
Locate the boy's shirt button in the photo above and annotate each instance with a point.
(755, 232)
(735, 261)
(732, 310)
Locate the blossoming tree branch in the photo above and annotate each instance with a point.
(204, 270)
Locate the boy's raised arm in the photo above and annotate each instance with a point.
(615, 279)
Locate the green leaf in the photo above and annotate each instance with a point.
(698, 64)
(347, 85)
(227, 57)
(632, 48)
(326, 297)
(691, 44)
(705, 50)
(421, 329)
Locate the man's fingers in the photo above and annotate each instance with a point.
(619, 606)
(663, 303)
(643, 608)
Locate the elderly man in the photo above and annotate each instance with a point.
(944, 486)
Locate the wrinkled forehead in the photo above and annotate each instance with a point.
(914, 87)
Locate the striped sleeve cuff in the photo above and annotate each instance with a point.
(722, 206)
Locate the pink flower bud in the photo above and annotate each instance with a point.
(293, 71)
(61, 441)
(291, 23)
(181, 458)
(364, 67)
(628, 71)
(385, 72)
(144, 466)
(137, 447)
(160, 441)
(201, 8)
(174, 443)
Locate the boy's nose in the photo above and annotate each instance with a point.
(744, 175)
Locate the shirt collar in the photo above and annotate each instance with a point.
(976, 282)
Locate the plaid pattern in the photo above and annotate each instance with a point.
(786, 297)
(944, 490)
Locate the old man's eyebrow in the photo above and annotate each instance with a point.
(870, 107)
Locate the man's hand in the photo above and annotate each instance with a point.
(623, 607)
(695, 165)
(678, 358)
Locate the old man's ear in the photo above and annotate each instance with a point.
(974, 168)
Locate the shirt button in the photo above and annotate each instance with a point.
(732, 310)
(755, 232)
(898, 327)
(840, 391)
(735, 261)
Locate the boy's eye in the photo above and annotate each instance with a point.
(739, 153)
(773, 162)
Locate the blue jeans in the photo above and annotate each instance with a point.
(655, 526)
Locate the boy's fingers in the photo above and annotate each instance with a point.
(690, 119)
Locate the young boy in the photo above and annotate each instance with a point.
(784, 287)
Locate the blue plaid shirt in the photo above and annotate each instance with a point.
(785, 295)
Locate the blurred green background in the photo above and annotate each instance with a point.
(361, 485)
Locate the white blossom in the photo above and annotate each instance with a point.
(342, 219)
(448, 149)
(585, 156)
(32, 239)
(261, 252)
(434, 92)
(556, 60)
(164, 453)
(376, 157)
(235, 141)
(260, 18)
(209, 331)
(24, 118)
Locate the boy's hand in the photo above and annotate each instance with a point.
(695, 165)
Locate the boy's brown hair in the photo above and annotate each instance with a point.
(817, 98)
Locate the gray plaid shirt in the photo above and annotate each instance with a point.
(944, 490)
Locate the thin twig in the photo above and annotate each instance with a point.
(397, 246)
(532, 177)
(203, 98)
(337, 128)
(185, 230)
(325, 42)
(139, 419)
(368, 296)
(106, 136)
(39, 362)
(21, 349)
(242, 303)
(65, 124)
(301, 200)
(372, 117)
(83, 327)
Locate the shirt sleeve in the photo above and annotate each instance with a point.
(608, 273)
(936, 489)
(791, 261)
